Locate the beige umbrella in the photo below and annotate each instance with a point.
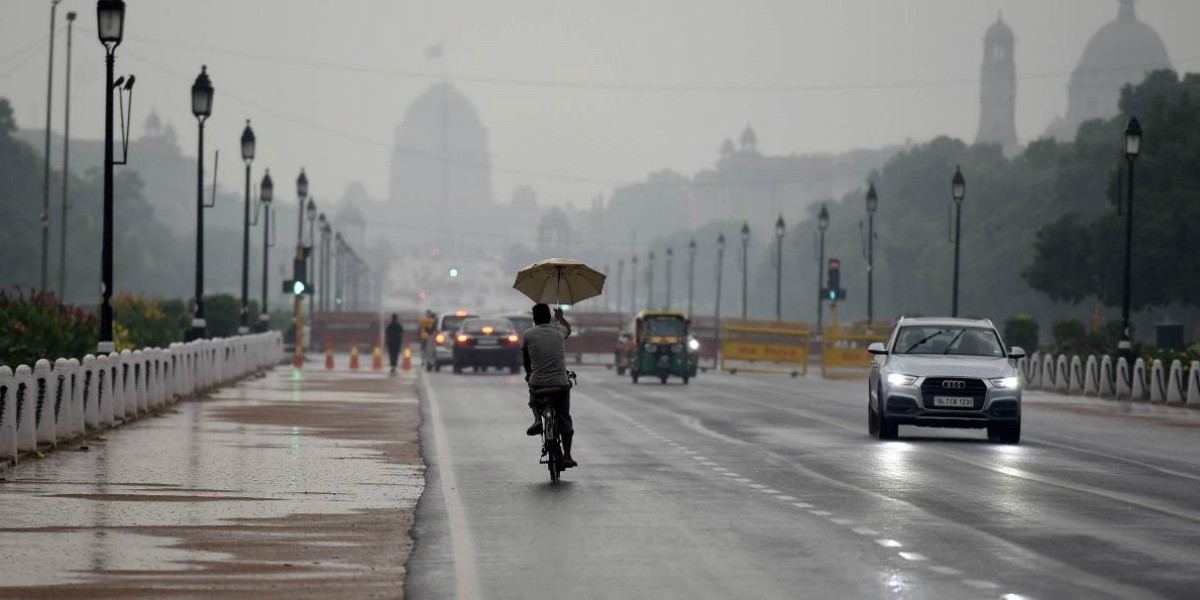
(559, 281)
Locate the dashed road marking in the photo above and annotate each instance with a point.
(980, 584)
(842, 522)
(769, 491)
(886, 543)
(945, 570)
(757, 486)
(801, 505)
(728, 474)
(913, 556)
(786, 498)
(821, 513)
(864, 531)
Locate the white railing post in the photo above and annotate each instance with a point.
(8, 415)
(1193, 386)
(43, 406)
(63, 391)
(1075, 378)
(1175, 383)
(26, 394)
(1139, 379)
(1048, 382)
(89, 385)
(1062, 379)
(1123, 379)
(1091, 377)
(1158, 393)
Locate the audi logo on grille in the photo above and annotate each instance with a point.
(954, 384)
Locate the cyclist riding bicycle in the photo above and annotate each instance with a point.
(544, 350)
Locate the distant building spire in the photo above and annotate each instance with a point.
(998, 87)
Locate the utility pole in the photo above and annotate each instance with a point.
(66, 173)
(45, 280)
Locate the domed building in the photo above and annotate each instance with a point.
(441, 168)
(1121, 53)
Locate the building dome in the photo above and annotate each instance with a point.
(999, 32)
(440, 160)
(1119, 54)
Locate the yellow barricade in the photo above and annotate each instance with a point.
(764, 346)
(844, 349)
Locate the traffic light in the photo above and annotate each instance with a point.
(298, 285)
(833, 289)
(453, 272)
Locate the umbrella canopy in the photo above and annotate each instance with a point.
(559, 281)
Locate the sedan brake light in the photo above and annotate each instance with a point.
(512, 338)
(462, 338)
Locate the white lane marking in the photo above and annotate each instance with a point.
(708, 463)
(945, 570)
(980, 584)
(769, 491)
(913, 556)
(886, 543)
(690, 452)
(864, 531)
(757, 486)
(698, 458)
(719, 468)
(744, 480)
(730, 474)
(821, 513)
(842, 522)
(801, 505)
(456, 515)
(786, 498)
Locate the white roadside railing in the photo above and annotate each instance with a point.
(64, 399)
(1175, 384)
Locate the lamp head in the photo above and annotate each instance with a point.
(110, 21)
(721, 241)
(266, 190)
(780, 228)
(202, 95)
(958, 185)
(311, 210)
(247, 143)
(302, 185)
(872, 199)
(745, 232)
(823, 218)
(692, 247)
(1133, 138)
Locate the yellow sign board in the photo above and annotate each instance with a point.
(844, 349)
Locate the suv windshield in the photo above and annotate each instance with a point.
(451, 323)
(663, 326)
(957, 341)
(521, 323)
(493, 325)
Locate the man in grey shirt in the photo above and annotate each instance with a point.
(544, 348)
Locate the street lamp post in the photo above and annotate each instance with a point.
(822, 225)
(1133, 147)
(717, 307)
(633, 275)
(958, 189)
(339, 265)
(650, 282)
(620, 278)
(62, 242)
(691, 274)
(298, 299)
(780, 229)
(670, 259)
(745, 268)
(110, 28)
(323, 264)
(266, 193)
(45, 281)
(872, 204)
(248, 143)
(202, 97)
(310, 211)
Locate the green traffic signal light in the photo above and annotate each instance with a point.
(833, 294)
(454, 272)
(298, 287)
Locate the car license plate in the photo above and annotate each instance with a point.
(487, 342)
(953, 401)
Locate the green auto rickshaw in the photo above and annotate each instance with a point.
(660, 346)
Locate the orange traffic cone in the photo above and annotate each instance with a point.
(328, 356)
(354, 356)
(377, 364)
(407, 364)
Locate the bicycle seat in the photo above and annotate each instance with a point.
(550, 391)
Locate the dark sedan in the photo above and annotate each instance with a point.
(483, 343)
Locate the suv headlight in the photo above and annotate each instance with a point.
(898, 379)
(1008, 383)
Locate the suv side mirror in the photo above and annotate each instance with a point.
(1016, 352)
(877, 348)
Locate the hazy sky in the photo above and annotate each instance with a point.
(577, 96)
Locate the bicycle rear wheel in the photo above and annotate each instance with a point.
(553, 449)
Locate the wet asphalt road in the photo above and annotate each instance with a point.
(758, 486)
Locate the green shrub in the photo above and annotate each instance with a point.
(1068, 331)
(1022, 330)
(146, 321)
(41, 326)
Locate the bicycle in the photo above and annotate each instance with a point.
(552, 453)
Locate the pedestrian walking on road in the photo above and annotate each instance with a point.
(394, 334)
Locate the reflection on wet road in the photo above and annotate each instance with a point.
(279, 484)
(757, 486)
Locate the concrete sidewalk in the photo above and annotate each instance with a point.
(292, 485)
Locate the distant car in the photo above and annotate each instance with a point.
(520, 322)
(945, 373)
(438, 350)
(483, 343)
